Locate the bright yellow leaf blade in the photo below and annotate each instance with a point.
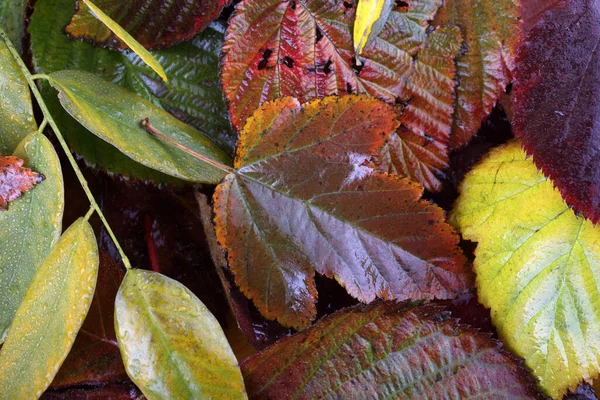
(51, 314)
(370, 18)
(537, 266)
(128, 39)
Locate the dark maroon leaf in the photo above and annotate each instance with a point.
(556, 103)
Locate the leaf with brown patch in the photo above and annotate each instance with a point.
(15, 180)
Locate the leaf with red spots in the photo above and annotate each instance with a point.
(556, 107)
(152, 23)
(15, 179)
(387, 350)
(304, 200)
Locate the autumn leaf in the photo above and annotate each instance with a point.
(491, 31)
(371, 16)
(532, 10)
(303, 200)
(537, 267)
(556, 110)
(304, 49)
(15, 180)
(152, 23)
(387, 350)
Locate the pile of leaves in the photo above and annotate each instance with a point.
(299, 199)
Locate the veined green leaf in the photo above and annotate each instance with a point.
(12, 17)
(16, 114)
(51, 314)
(113, 113)
(172, 346)
(537, 266)
(371, 16)
(30, 227)
(128, 39)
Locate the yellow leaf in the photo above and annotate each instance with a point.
(128, 39)
(370, 18)
(537, 266)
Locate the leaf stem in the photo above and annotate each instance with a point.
(48, 118)
(42, 126)
(40, 76)
(89, 214)
(145, 123)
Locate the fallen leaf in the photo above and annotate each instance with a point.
(387, 350)
(537, 267)
(491, 31)
(15, 180)
(371, 16)
(303, 201)
(556, 108)
(152, 23)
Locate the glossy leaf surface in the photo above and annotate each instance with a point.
(122, 34)
(387, 351)
(491, 32)
(50, 315)
(30, 227)
(15, 179)
(557, 113)
(152, 23)
(16, 114)
(303, 201)
(192, 93)
(537, 265)
(172, 346)
(371, 16)
(304, 49)
(113, 113)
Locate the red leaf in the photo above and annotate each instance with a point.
(557, 112)
(151, 22)
(15, 179)
(387, 351)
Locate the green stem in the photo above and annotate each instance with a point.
(89, 214)
(63, 143)
(42, 126)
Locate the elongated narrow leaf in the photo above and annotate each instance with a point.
(12, 18)
(16, 114)
(387, 351)
(491, 31)
(113, 113)
(537, 265)
(128, 39)
(172, 346)
(48, 319)
(303, 201)
(371, 16)
(556, 111)
(30, 227)
(152, 23)
(192, 93)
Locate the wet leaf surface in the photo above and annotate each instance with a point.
(51, 314)
(12, 16)
(557, 115)
(491, 30)
(303, 201)
(30, 227)
(304, 49)
(387, 350)
(540, 279)
(113, 113)
(152, 23)
(172, 346)
(15, 179)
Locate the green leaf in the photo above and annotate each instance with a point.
(128, 39)
(387, 351)
(48, 319)
(537, 265)
(172, 346)
(30, 227)
(370, 18)
(16, 114)
(12, 18)
(192, 94)
(114, 113)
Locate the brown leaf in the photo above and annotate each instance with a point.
(15, 180)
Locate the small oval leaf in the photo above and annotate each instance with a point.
(51, 314)
(30, 227)
(172, 346)
(113, 113)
